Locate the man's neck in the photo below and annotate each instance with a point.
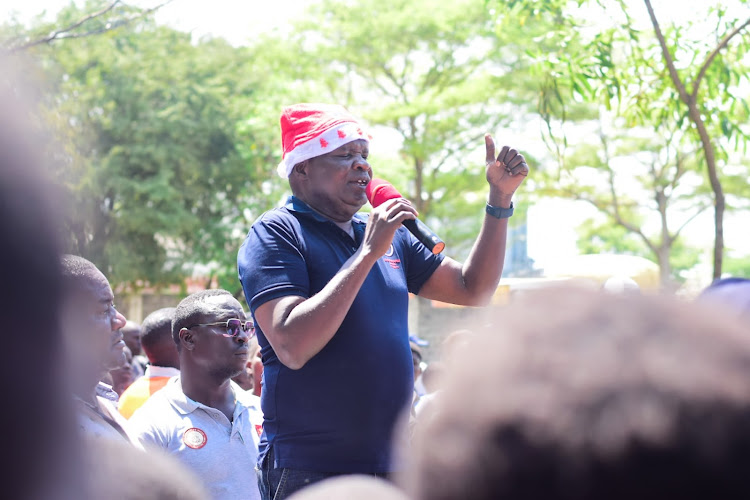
(347, 227)
(87, 396)
(338, 221)
(207, 391)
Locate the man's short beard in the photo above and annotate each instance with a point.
(224, 372)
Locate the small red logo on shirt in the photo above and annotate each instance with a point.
(393, 262)
(194, 438)
(259, 429)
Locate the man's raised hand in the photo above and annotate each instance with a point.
(506, 171)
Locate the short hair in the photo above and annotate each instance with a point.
(116, 469)
(582, 395)
(190, 308)
(78, 272)
(361, 486)
(156, 328)
(415, 349)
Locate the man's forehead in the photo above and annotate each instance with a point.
(97, 289)
(223, 305)
(131, 327)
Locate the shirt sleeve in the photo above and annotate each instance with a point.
(420, 261)
(141, 427)
(271, 260)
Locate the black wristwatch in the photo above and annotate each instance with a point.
(500, 213)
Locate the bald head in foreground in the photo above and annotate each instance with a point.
(586, 395)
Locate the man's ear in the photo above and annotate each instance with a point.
(301, 168)
(186, 339)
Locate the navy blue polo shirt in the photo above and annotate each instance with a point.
(336, 413)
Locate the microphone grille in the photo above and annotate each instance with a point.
(379, 191)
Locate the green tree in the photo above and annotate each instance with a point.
(647, 189)
(95, 18)
(441, 75)
(157, 185)
(685, 86)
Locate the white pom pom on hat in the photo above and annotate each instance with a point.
(313, 129)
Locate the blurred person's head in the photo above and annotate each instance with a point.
(118, 470)
(732, 295)
(156, 338)
(454, 343)
(40, 430)
(131, 334)
(359, 486)
(432, 377)
(122, 377)
(90, 322)
(576, 394)
(621, 284)
(416, 358)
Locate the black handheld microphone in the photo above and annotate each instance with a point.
(379, 191)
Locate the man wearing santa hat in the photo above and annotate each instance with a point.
(328, 288)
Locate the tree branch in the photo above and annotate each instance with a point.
(66, 32)
(667, 56)
(618, 219)
(689, 219)
(713, 55)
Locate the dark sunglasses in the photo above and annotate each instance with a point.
(233, 327)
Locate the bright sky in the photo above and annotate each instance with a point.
(551, 223)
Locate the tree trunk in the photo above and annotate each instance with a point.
(665, 268)
(691, 100)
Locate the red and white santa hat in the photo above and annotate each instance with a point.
(312, 129)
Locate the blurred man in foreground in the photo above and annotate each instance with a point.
(577, 395)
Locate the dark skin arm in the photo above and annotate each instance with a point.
(474, 282)
(298, 327)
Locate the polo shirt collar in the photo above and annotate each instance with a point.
(294, 204)
(183, 404)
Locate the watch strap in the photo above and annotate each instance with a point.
(498, 212)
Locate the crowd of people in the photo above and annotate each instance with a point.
(317, 391)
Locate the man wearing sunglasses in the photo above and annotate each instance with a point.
(201, 417)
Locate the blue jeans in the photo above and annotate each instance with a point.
(278, 484)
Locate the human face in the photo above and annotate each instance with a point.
(132, 335)
(92, 326)
(256, 365)
(416, 359)
(122, 377)
(217, 355)
(336, 181)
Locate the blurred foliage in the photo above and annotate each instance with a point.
(596, 238)
(738, 266)
(441, 75)
(155, 180)
(610, 74)
(167, 144)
